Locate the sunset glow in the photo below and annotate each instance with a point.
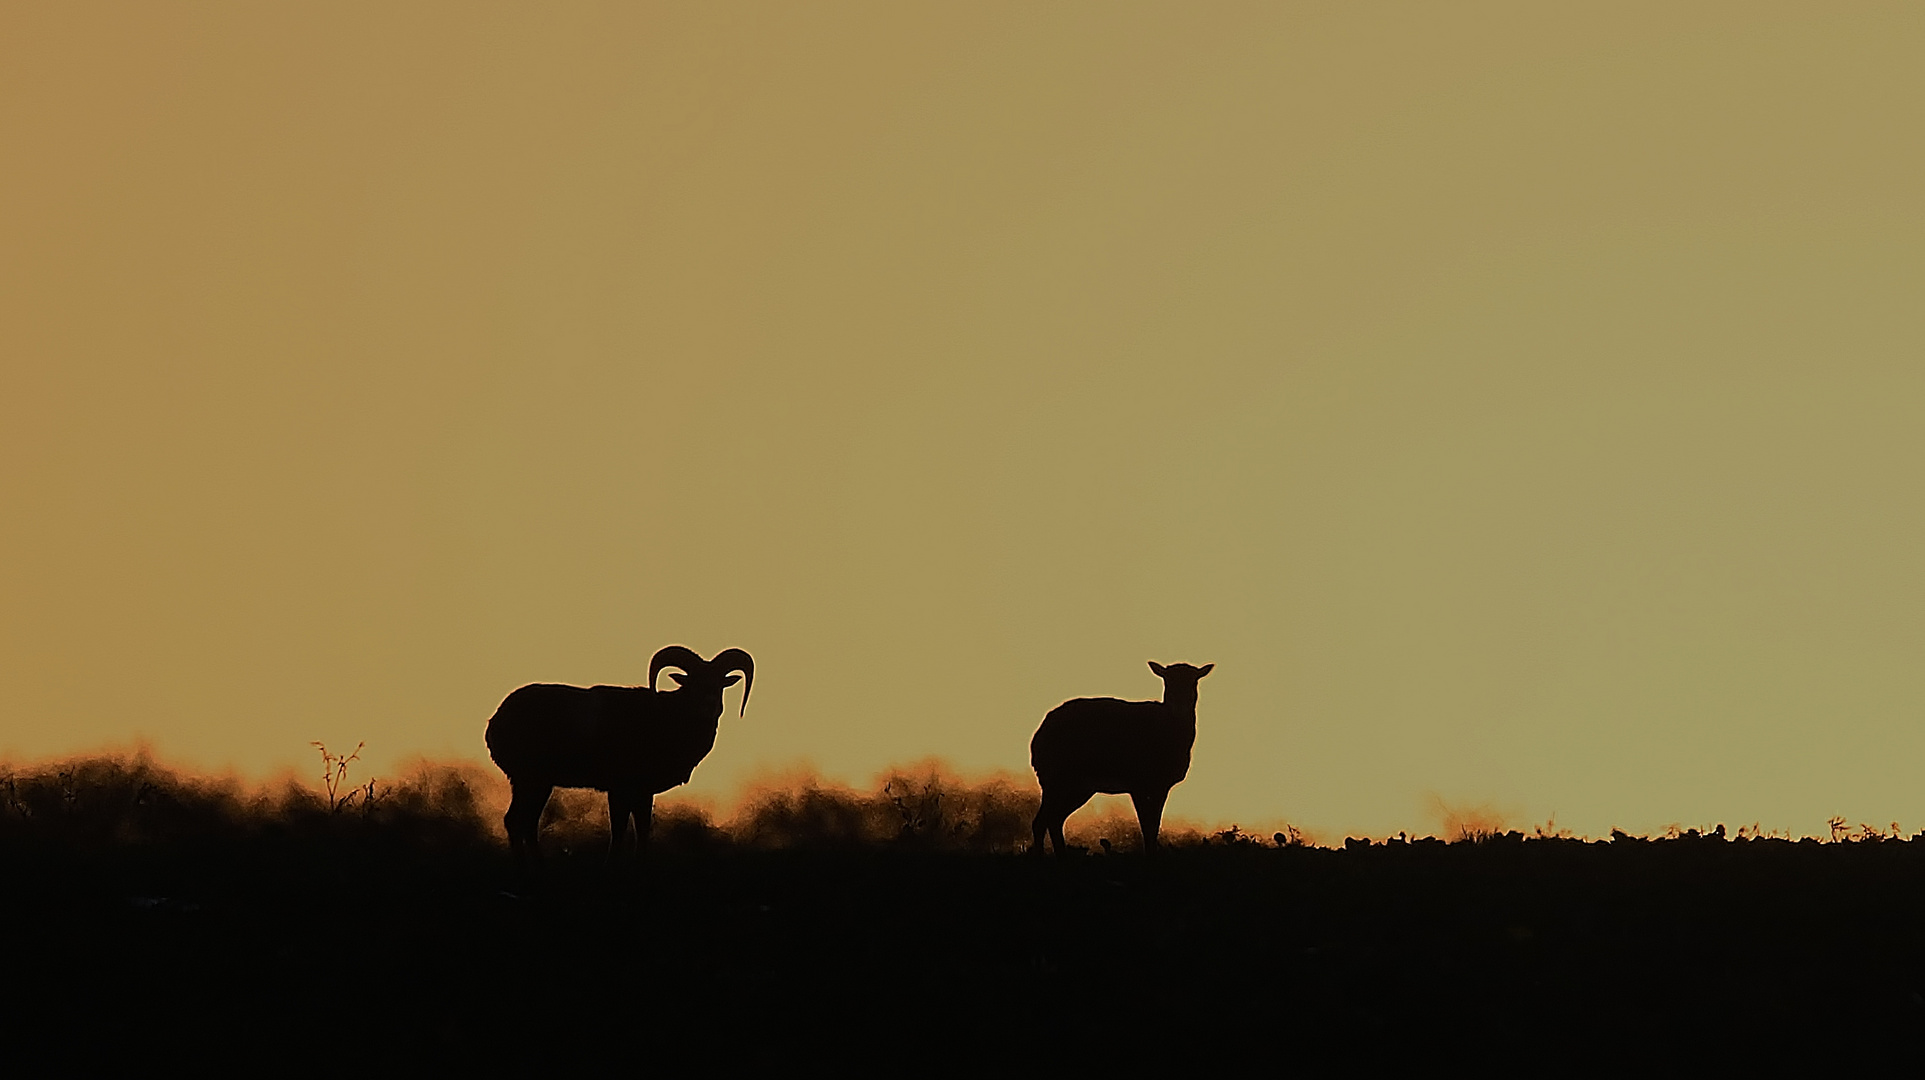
(1519, 405)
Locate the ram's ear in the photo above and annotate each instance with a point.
(1159, 669)
(1204, 670)
(680, 679)
(731, 680)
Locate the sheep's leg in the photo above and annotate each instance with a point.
(523, 819)
(1149, 814)
(1055, 810)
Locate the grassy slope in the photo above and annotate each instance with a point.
(184, 918)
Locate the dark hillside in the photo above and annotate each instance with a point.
(183, 920)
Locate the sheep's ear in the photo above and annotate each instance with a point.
(1159, 669)
(680, 679)
(1204, 670)
(731, 680)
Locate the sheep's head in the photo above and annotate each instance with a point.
(705, 676)
(1180, 674)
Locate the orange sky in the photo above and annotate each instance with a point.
(1517, 403)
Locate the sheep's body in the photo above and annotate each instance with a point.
(633, 742)
(1135, 748)
(1111, 746)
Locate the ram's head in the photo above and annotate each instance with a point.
(707, 677)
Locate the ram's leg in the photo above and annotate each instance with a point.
(1149, 814)
(523, 819)
(644, 824)
(621, 805)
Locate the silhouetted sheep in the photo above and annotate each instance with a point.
(1135, 748)
(633, 742)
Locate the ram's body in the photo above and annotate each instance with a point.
(603, 737)
(634, 742)
(1135, 748)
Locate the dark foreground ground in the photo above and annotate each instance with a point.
(359, 955)
(339, 944)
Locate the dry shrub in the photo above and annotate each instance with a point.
(1111, 825)
(462, 790)
(925, 805)
(684, 825)
(575, 818)
(800, 810)
(458, 800)
(1473, 823)
(127, 798)
(937, 808)
(121, 798)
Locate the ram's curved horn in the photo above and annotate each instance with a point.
(736, 660)
(680, 656)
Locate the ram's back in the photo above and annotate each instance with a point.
(1110, 745)
(595, 736)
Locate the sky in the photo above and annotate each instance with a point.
(1519, 404)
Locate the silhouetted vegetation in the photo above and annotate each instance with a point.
(153, 913)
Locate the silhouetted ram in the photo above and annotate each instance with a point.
(1135, 748)
(633, 742)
